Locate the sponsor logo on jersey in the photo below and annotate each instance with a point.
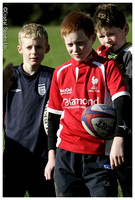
(66, 91)
(41, 89)
(80, 102)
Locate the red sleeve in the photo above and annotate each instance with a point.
(115, 81)
(55, 100)
(103, 51)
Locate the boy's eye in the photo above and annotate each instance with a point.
(29, 47)
(38, 46)
(101, 36)
(112, 34)
(79, 43)
(70, 45)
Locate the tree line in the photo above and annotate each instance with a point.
(19, 14)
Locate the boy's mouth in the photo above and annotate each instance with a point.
(33, 58)
(77, 54)
(111, 46)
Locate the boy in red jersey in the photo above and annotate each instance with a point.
(79, 165)
(111, 28)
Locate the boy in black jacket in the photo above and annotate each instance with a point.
(25, 154)
(111, 28)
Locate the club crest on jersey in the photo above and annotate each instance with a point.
(41, 89)
(94, 82)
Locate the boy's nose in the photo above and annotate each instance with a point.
(108, 39)
(33, 50)
(75, 48)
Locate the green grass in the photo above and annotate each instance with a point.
(119, 191)
(57, 55)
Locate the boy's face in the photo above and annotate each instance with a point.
(113, 37)
(33, 51)
(79, 45)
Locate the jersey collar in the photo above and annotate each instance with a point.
(89, 59)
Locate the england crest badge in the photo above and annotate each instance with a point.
(41, 89)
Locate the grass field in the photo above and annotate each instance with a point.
(57, 55)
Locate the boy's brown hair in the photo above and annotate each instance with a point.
(32, 30)
(75, 21)
(108, 15)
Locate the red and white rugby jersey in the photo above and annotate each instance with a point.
(76, 86)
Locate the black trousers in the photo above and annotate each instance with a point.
(24, 171)
(82, 175)
(124, 174)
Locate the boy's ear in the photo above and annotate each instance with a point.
(47, 48)
(126, 29)
(93, 38)
(19, 49)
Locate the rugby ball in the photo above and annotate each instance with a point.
(99, 120)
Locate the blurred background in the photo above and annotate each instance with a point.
(50, 15)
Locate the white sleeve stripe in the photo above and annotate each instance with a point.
(115, 96)
(59, 71)
(58, 112)
(101, 66)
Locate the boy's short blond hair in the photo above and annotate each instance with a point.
(75, 21)
(108, 15)
(32, 31)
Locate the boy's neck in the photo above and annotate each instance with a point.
(123, 46)
(30, 70)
